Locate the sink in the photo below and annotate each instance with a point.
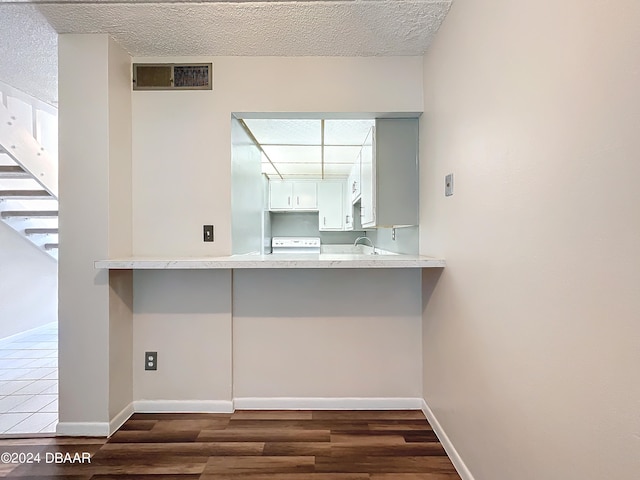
(347, 249)
(342, 249)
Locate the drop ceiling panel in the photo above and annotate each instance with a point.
(294, 146)
(345, 155)
(293, 154)
(294, 132)
(298, 177)
(346, 132)
(301, 169)
(268, 169)
(336, 170)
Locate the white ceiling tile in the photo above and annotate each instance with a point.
(284, 131)
(293, 158)
(299, 169)
(346, 132)
(297, 176)
(293, 154)
(337, 170)
(268, 169)
(333, 154)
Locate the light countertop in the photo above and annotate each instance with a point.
(322, 260)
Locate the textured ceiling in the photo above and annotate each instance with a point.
(170, 28)
(28, 52)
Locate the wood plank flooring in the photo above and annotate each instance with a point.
(248, 445)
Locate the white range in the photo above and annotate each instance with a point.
(280, 245)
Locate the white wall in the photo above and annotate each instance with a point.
(190, 328)
(28, 284)
(531, 334)
(327, 333)
(182, 180)
(247, 192)
(120, 230)
(83, 311)
(182, 140)
(95, 222)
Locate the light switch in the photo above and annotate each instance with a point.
(448, 185)
(207, 232)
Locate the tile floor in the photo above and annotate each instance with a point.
(29, 381)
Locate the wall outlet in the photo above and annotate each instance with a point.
(448, 185)
(151, 360)
(207, 231)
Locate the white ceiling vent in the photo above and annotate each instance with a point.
(172, 76)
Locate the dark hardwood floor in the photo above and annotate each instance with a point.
(250, 445)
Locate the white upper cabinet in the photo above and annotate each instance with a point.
(368, 182)
(347, 212)
(389, 174)
(330, 205)
(285, 195)
(353, 182)
(280, 194)
(305, 195)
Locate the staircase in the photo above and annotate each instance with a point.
(29, 168)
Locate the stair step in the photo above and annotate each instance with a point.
(13, 171)
(24, 194)
(40, 231)
(29, 213)
(50, 246)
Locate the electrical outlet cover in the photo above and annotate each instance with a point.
(151, 360)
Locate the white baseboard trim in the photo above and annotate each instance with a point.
(105, 429)
(117, 421)
(183, 406)
(82, 429)
(455, 457)
(321, 403)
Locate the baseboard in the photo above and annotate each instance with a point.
(117, 421)
(321, 403)
(82, 429)
(105, 429)
(183, 406)
(455, 457)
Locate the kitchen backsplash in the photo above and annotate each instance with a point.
(407, 239)
(305, 224)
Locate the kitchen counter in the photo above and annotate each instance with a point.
(322, 260)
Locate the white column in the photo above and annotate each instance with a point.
(95, 221)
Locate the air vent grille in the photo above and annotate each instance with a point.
(172, 76)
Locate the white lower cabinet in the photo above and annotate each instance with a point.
(330, 205)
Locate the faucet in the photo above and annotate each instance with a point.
(365, 238)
